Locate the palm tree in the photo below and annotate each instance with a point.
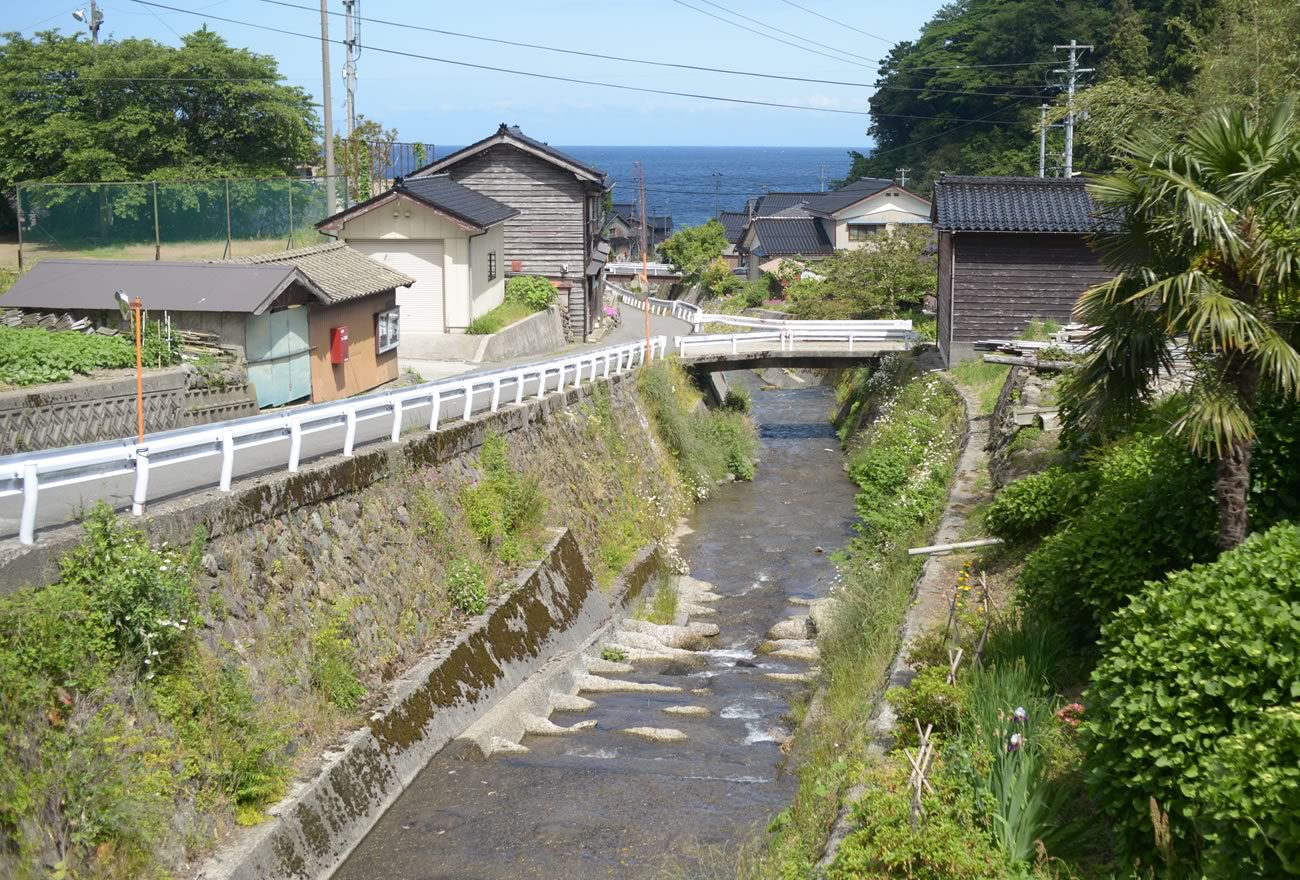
(1204, 237)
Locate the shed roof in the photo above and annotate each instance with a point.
(790, 236)
(1015, 204)
(514, 136)
(340, 272)
(468, 208)
(171, 286)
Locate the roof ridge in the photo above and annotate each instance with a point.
(281, 256)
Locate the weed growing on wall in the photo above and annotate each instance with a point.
(333, 659)
(467, 586)
(504, 509)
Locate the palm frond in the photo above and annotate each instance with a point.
(1214, 419)
(1279, 362)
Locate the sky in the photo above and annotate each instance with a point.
(447, 104)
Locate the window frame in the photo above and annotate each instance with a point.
(860, 232)
(492, 265)
(388, 329)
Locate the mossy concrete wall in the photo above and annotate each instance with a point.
(555, 607)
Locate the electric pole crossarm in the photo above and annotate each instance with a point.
(1072, 70)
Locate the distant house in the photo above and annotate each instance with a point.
(1011, 249)
(785, 235)
(559, 220)
(734, 223)
(846, 217)
(448, 237)
(285, 312)
(623, 229)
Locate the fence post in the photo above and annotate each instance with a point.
(141, 481)
(295, 444)
(288, 244)
(350, 432)
(226, 255)
(157, 239)
(18, 205)
(227, 460)
(27, 525)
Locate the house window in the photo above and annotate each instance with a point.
(492, 265)
(864, 231)
(388, 330)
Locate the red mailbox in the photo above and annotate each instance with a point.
(338, 345)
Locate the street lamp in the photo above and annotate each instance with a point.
(91, 21)
(125, 306)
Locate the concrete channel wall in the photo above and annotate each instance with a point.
(554, 608)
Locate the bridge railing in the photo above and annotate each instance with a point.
(28, 474)
(856, 339)
(673, 308)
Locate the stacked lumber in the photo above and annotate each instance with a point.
(197, 343)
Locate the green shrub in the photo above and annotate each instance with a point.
(1033, 506)
(738, 399)
(952, 844)
(928, 700)
(1025, 439)
(1180, 711)
(1152, 511)
(753, 293)
(532, 291)
(504, 509)
(612, 654)
(718, 279)
(334, 660)
(467, 586)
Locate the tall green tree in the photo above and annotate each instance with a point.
(890, 271)
(1206, 250)
(693, 248)
(134, 109)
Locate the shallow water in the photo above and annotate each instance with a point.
(602, 803)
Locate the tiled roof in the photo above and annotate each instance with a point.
(734, 222)
(441, 192)
(789, 236)
(515, 132)
(1014, 204)
(780, 201)
(506, 134)
(821, 202)
(340, 272)
(866, 185)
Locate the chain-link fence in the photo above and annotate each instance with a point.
(173, 220)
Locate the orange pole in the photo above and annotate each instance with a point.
(139, 373)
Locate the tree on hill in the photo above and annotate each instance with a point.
(693, 248)
(135, 109)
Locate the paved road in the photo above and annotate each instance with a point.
(60, 505)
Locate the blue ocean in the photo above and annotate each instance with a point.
(679, 181)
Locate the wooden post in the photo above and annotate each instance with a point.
(288, 245)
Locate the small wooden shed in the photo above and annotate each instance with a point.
(1011, 249)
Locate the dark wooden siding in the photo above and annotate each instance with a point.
(1003, 280)
(943, 297)
(550, 230)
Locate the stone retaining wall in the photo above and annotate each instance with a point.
(92, 410)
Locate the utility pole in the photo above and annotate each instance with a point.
(902, 176)
(92, 22)
(1073, 70)
(821, 177)
(326, 74)
(717, 194)
(350, 66)
(645, 268)
(1042, 140)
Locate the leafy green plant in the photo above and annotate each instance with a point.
(1192, 706)
(467, 586)
(738, 399)
(1025, 439)
(498, 319)
(928, 700)
(612, 654)
(1033, 506)
(531, 291)
(334, 660)
(503, 509)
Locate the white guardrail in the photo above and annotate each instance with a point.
(30, 473)
(654, 270)
(784, 331)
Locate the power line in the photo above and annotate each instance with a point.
(787, 33)
(669, 64)
(568, 79)
(840, 23)
(770, 37)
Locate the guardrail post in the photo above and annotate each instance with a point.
(295, 444)
(397, 419)
(541, 383)
(469, 400)
(519, 388)
(496, 394)
(350, 432)
(141, 493)
(734, 342)
(227, 459)
(27, 525)
(605, 375)
(435, 402)
(850, 343)
(592, 377)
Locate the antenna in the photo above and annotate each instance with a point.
(717, 194)
(821, 177)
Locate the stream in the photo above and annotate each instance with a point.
(603, 803)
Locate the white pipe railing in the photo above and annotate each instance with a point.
(857, 340)
(672, 308)
(28, 474)
(654, 270)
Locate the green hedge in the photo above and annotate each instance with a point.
(1033, 506)
(1194, 705)
(532, 291)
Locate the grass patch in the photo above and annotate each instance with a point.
(613, 655)
(498, 319)
(662, 605)
(1040, 330)
(985, 380)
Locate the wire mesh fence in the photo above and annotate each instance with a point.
(173, 220)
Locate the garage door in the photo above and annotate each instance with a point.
(422, 302)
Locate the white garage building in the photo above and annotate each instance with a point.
(447, 237)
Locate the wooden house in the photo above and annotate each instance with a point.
(1011, 249)
(282, 312)
(559, 202)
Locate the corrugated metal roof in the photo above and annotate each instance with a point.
(173, 286)
(340, 272)
(790, 236)
(441, 192)
(1014, 204)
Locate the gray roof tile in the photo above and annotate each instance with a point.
(734, 222)
(445, 194)
(1014, 204)
(790, 236)
(340, 272)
